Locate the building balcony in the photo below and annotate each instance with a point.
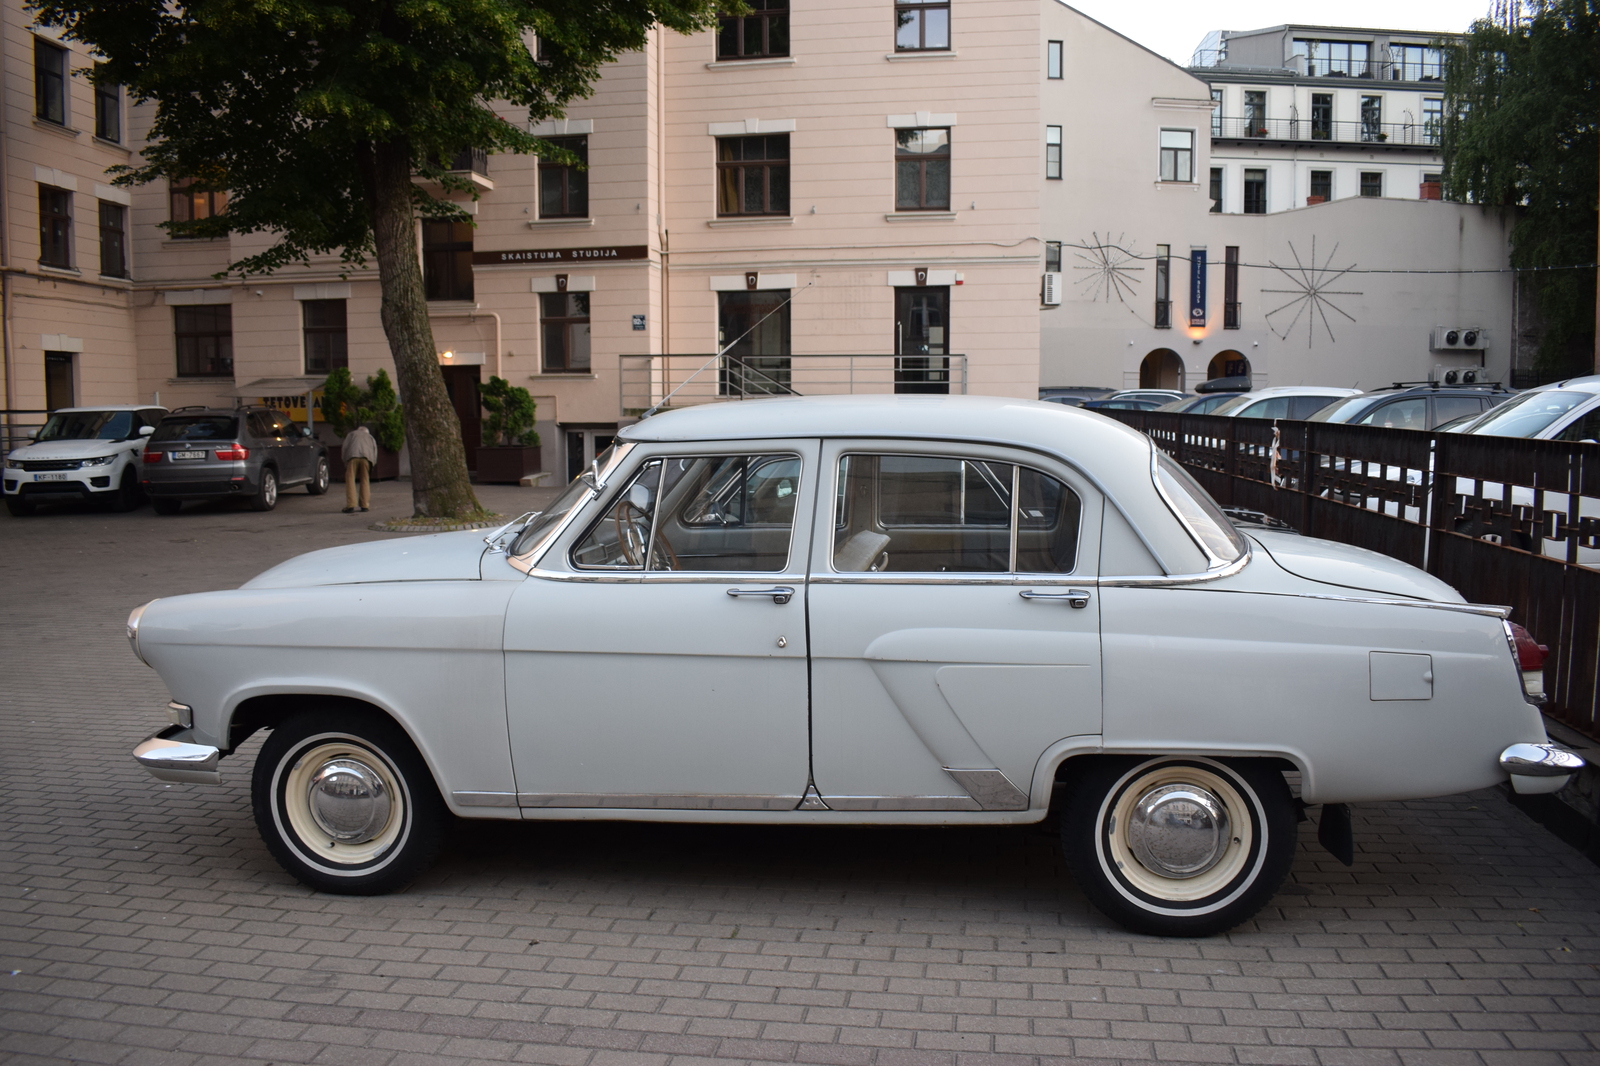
(1424, 135)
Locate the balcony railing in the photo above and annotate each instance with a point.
(1414, 134)
(665, 381)
(471, 160)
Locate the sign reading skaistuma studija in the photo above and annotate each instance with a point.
(560, 255)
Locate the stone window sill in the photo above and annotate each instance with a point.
(901, 57)
(55, 127)
(541, 223)
(775, 220)
(734, 64)
(559, 376)
(921, 216)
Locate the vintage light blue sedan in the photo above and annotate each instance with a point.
(913, 609)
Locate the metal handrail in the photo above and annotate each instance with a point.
(655, 382)
(1424, 134)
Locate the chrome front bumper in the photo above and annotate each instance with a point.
(1536, 768)
(172, 755)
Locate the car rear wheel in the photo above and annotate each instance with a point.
(127, 495)
(162, 505)
(319, 480)
(345, 803)
(266, 497)
(19, 506)
(1177, 845)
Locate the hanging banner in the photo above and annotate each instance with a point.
(1197, 287)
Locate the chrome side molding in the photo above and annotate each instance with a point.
(172, 755)
(991, 788)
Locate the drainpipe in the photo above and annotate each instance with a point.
(6, 331)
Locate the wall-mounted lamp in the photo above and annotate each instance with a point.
(1197, 340)
(452, 355)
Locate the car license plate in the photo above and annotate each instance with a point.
(49, 477)
(189, 455)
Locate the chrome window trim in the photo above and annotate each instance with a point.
(530, 559)
(1217, 561)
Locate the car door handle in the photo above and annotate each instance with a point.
(1075, 597)
(780, 594)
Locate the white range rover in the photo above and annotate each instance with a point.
(90, 453)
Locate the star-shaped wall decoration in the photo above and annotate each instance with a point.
(1106, 269)
(1309, 299)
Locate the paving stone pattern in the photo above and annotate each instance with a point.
(145, 923)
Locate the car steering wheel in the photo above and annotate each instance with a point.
(633, 537)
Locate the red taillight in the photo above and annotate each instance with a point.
(233, 453)
(1530, 653)
(152, 457)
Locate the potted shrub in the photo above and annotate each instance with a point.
(510, 449)
(345, 407)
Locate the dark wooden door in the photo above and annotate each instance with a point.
(462, 384)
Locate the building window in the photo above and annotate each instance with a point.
(1216, 190)
(1052, 151)
(108, 112)
(1255, 192)
(1322, 116)
(1432, 119)
(327, 340)
(922, 339)
(1432, 187)
(1255, 113)
(1321, 187)
(447, 260)
(1052, 60)
(55, 227)
(564, 325)
(1052, 257)
(753, 175)
(1372, 119)
(1163, 286)
(204, 337)
(1216, 112)
(1334, 59)
(1177, 155)
(1415, 62)
(763, 32)
(920, 27)
(922, 170)
(191, 204)
(753, 335)
(1372, 183)
(564, 190)
(1230, 287)
(49, 82)
(113, 240)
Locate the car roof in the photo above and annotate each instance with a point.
(1299, 390)
(1587, 383)
(111, 407)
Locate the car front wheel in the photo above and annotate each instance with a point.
(1176, 845)
(266, 497)
(345, 803)
(19, 506)
(127, 496)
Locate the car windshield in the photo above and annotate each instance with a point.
(197, 427)
(1528, 414)
(572, 497)
(87, 425)
(1198, 511)
(1342, 412)
(1233, 403)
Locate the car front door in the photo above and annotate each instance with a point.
(656, 659)
(954, 635)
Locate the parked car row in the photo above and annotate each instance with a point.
(122, 455)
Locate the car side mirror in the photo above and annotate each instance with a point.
(145, 431)
(305, 431)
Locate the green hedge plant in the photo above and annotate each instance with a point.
(511, 413)
(377, 406)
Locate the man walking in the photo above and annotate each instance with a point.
(360, 451)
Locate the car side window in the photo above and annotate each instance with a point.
(1401, 414)
(1586, 428)
(706, 513)
(1276, 407)
(1447, 407)
(260, 425)
(940, 514)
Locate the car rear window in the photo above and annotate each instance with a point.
(1198, 511)
(196, 427)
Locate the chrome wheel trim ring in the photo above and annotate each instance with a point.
(304, 830)
(323, 475)
(1178, 830)
(1237, 866)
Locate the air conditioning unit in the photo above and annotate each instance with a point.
(1050, 290)
(1460, 375)
(1459, 339)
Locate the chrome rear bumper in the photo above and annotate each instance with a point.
(172, 755)
(1536, 768)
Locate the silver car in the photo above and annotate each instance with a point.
(249, 453)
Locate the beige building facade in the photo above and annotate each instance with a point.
(986, 196)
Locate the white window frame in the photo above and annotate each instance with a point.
(1163, 149)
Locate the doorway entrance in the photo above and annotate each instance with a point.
(584, 443)
(461, 382)
(58, 390)
(1228, 364)
(922, 339)
(1161, 369)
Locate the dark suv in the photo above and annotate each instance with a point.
(199, 453)
(1414, 404)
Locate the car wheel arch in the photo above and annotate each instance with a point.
(251, 711)
(1060, 765)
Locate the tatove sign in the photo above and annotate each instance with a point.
(560, 255)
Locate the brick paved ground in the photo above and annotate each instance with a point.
(145, 923)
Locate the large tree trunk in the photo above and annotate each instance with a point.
(440, 487)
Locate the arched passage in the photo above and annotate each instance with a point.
(1161, 369)
(1228, 364)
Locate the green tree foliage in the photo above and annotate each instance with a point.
(314, 115)
(377, 406)
(1523, 103)
(511, 414)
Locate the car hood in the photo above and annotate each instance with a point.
(1353, 568)
(68, 449)
(439, 557)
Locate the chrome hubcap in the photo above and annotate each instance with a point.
(1178, 830)
(349, 800)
